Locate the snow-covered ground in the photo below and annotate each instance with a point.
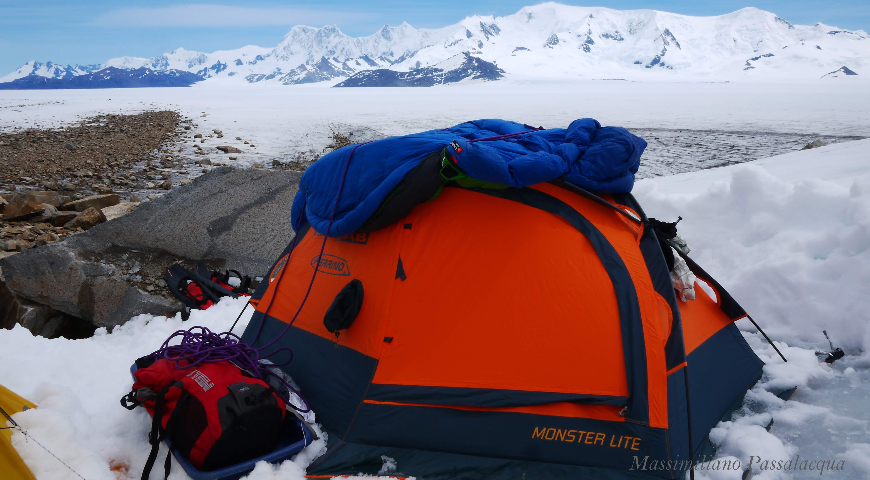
(788, 236)
(282, 120)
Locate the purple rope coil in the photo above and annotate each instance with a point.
(200, 345)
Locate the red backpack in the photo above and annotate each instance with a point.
(215, 414)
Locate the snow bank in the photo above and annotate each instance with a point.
(795, 253)
(789, 237)
(77, 385)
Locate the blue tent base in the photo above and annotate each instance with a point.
(344, 458)
(295, 436)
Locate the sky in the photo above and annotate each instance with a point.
(93, 31)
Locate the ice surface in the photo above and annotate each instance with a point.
(758, 120)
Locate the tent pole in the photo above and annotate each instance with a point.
(767, 338)
(689, 421)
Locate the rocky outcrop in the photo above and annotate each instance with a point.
(238, 219)
(87, 219)
(93, 201)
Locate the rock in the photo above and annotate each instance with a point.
(198, 135)
(14, 310)
(135, 198)
(118, 210)
(210, 219)
(87, 219)
(187, 127)
(229, 149)
(217, 132)
(63, 217)
(5, 254)
(15, 245)
(257, 165)
(94, 201)
(239, 138)
(50, 197)
(3, 203)
(246, 142)
(165, 185)
(53, 326)
(46, 238)
(186, 181)
(48, 213)
(21, 210)
(70, 147)
(234, 158)
(252, 145)
(204, 161)
(814, 144)
(277, 164)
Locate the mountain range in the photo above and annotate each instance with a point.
(543, 41)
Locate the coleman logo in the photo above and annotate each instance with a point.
(456, 146)
(330, 264)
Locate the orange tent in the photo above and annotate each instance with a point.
(503, 333)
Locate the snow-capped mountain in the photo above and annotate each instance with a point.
(458, 68)
(543, 41)
(49, 70)
(110, 77)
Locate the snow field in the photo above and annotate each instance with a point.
(284, 120)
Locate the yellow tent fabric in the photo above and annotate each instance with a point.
(11, 464)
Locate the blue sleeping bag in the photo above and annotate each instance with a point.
(598, 159)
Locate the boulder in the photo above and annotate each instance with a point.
(87, 219)
(15, 245)
(49, 197)
(118, 210)
(39, 319)
(94, 201)
(235, 219)
(228, 149)
(63, 217)
(46, 238)
(48, 213)
(814, 144)
(21, 210)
